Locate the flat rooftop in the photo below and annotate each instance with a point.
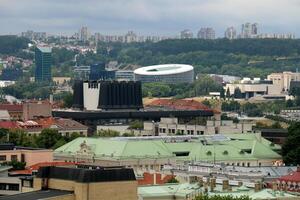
(42, 194)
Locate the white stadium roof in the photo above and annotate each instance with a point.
(165, 69)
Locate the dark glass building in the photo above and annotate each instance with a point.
(98, 72)
(43, 60)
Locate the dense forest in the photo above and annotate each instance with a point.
(242, 57)
(10, 44)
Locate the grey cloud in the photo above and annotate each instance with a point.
(147, 16)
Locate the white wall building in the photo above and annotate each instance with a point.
(283, 80)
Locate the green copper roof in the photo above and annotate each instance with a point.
(239, 147)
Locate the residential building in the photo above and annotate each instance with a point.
(186, 34)
(4, 115)
(36, 109)
(231, 33)
(206, 33)
(152, 153)
(15, 110)
(211, 187)
(249, 30)
(131, 37)
(283, 80)
(43, 62)
(84, 34)
(290, 181)
(31, 156)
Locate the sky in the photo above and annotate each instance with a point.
(147, 17)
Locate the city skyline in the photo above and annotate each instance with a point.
(147, 18)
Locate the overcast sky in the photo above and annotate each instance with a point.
(148, 17)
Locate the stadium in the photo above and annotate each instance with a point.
(168, 73)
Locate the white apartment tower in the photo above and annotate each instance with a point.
(206, 33)
(230, 33)
(186, 34)
(249, 30)
(84, 34)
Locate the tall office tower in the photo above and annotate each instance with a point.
(230, 33)
(43, 60)
(206, 33)
(84, 34)
(186, 34)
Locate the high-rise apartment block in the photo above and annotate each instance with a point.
(43, 61)
(206, 33)
(249, 30)
(84, 34)
(230, 33)
(186, 34)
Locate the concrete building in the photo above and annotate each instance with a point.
(105, 95)
(252, 88)
(167, 73)
(36, 109)
(231, 33)
(171, 126)
(152, 153)
(186, 34)
(63, 183)
(283, 80)
(43, 62)
(124, 75)
(31, 156)
(206, 33)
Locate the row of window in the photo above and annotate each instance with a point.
(188, 132)
(12, 157)
(9, 186)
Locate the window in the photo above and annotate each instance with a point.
(3, 158)
(81, 133)
(2, 186)
(208, 153)
(192, 132)
(248, 164)
(14, 187)
(14, 157)
(183, 153)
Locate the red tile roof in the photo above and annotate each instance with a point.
(292, 177)
(148, 179)
(8, 124)
(12, 107)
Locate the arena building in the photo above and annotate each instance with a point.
(168, 73)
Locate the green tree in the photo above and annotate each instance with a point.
(227, 93)
(291, 146)
(237, 93)
(173, 180)
(48, 138)
(289, 103)
(136, 124)
(107, 133)
(222, 93)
